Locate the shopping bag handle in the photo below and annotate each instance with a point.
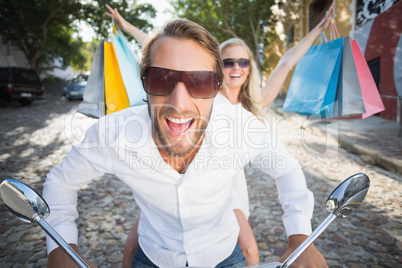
(113, 31)
(334, 31)
(322, 38)
(114, 27)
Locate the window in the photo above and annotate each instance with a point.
(374, 66)
(317, 11)
(81, 78)
(290, 36)
(25, 76)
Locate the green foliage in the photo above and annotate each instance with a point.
(62, 45)
(89, 52)
(32, 23)
(251, 20)
(51, 78)
(136, 14)
(44, 30)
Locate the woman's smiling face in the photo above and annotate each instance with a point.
(236, 75)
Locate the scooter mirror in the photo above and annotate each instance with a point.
(29, 206)
(348, 195)
(23, 201)
(341, 203)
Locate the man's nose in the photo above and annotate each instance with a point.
(180, 97)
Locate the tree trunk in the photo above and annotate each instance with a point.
(34, 57)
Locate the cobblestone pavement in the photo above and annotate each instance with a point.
(375, 139)
(35, 138)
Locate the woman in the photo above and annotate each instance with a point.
(241, 86)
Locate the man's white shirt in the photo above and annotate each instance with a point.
(185, 218)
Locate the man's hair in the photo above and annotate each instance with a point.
(250, 94)
(183, 29)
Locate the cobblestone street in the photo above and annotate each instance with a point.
(35, 138)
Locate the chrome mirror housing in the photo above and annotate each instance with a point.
(23, 201)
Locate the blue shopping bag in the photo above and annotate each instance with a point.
(129, 69)
(314, 83)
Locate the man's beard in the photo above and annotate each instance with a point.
(193, 137)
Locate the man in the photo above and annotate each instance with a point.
(178, 155)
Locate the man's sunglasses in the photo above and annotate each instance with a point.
(200, 84)
(229, 63)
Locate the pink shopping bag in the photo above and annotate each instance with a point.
(371, 96)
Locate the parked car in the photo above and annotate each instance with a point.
(21, 84)
(75, 88)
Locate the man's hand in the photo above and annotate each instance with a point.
(58, 258)
(311, 257)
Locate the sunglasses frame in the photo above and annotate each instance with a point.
(180, 73)
(233, 61)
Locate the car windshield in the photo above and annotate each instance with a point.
(25, 76)
(80, 78)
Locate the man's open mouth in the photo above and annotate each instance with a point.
(179, 125)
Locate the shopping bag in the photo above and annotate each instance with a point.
(115, 92)
(314, 83)
(349, 97)
(371, 96)
(129, 69)
(93, 104)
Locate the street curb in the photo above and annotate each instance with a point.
(387, 163)
(382, 161)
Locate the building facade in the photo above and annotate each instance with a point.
(14, 57)
(375, 24)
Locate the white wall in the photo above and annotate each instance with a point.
(12, 56)
(65, 74)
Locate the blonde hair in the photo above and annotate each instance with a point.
(250, 94)
(184, 29)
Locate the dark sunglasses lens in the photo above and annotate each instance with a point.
(228, 63)
(243, 63)
(159, 81)
(201, 84)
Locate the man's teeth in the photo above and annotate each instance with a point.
(235, 75)
(179, 120)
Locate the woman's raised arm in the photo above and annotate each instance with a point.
(289, 60)
(125, 26)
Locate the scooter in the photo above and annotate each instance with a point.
(29, 206)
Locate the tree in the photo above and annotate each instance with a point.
(30, 24)
(251, 20)
(43, 29)
(63, 46)
(136, 14)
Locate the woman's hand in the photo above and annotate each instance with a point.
(327, 18)
(118, 19)
(125, 26)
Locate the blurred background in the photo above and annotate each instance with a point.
(58, 38)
